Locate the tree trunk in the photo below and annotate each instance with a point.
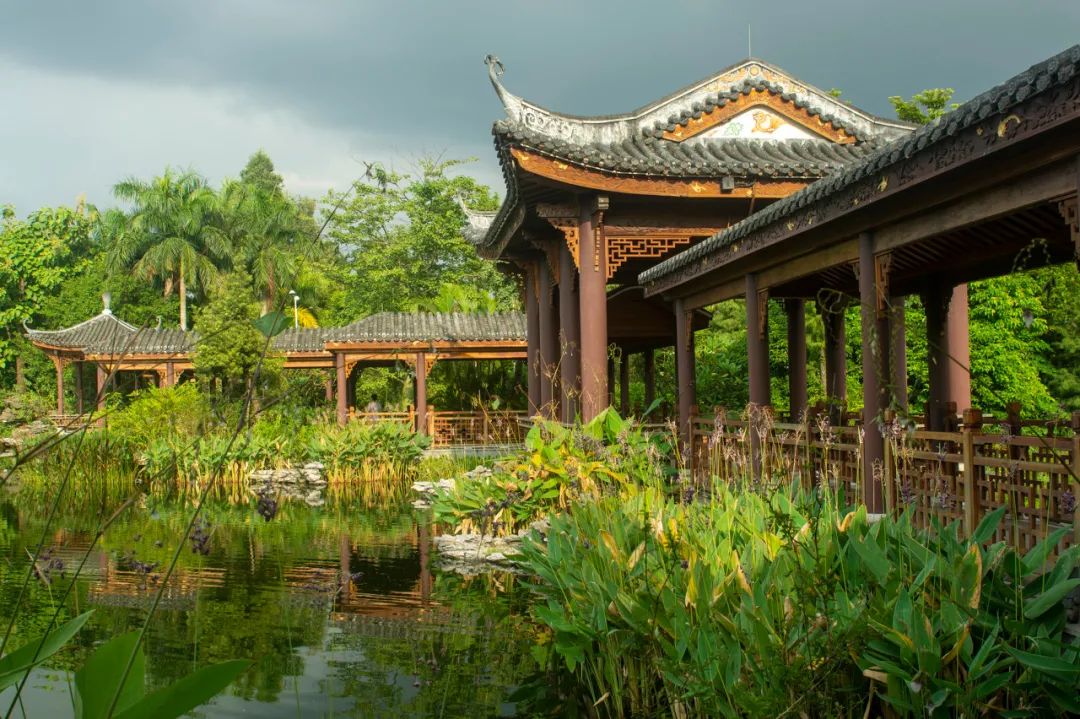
(168, 286)
(183, 298)
(20, 373)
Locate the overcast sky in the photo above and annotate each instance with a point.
(91, 92)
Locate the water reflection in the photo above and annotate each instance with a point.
(336, 606)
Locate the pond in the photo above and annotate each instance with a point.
(338, 606)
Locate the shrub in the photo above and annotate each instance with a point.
(160, 414)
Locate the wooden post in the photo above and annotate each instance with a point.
(102, 376)
(170, 374)
(592, 255)
(342, 388)
(1074, 481)
(569, 336)
(650, 377)
(684, 370)
(624, 384)
(972, 510)
(796, 337)
(430, 421)
(959, 349)
(888, 475)
(421, 394)
(875, 353)
(532, 328)
(549, 339)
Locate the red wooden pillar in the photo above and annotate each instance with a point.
(569, 336)
(650, 377)
(898, 340)
(959, 349)
(421, 393)
(796, 342)
(532, 333)
(170, 374)
(684, 369)
(875, 353)
(342, 389)
(592, 254)
(102, 376)
(549, 339)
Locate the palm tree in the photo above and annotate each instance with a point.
(265, 227)
(171, 233)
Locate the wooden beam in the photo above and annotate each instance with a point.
(636, 185)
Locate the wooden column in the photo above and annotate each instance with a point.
(421, 393)
(329, 390)
(624, 384)
(170, 374)
(684, 369)
(650, 377)
(875, 352)
(592, 254)
(832, 318)
(958, 342)
(549, 339)
(342, 388)
(569, 336)
(532, 330)
(757, 342)
(936, 303)
(796, 342)
(102, 376)
(898, 341)
(59, 385)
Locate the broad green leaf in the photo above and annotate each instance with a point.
(1052, 597)
(184, 695)
(98, 681)
(16, 663)
(988, 526)
(272, 323)
(1036, 558)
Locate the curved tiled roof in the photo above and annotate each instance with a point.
(645, 155)
(1037, 79)
(433, 327)
(103, 329)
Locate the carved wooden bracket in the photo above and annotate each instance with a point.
(598, 236)
(563, 218)
(623, 248)
(882, 265)
(762, 312)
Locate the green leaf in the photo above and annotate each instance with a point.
(1052, 597)
(272, 323)
(98, 681)
(988, 526)
(1041, 663)
(16, 663)
(184, 695)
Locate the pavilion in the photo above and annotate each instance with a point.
(591, 202)
(988, 189)
(112, 346)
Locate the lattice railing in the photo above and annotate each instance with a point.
(475, 428)
(947, 476)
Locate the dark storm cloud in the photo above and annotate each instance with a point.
(411, 73)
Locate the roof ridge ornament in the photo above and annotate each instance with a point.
(511, 102)
(106, 300)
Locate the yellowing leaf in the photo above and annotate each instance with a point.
(609, 542)
(635, 556)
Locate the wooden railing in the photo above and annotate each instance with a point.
(475, 428)
(456, 428)
(959, 475)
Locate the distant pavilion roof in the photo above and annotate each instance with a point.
(1041, 78)
(105, 335)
